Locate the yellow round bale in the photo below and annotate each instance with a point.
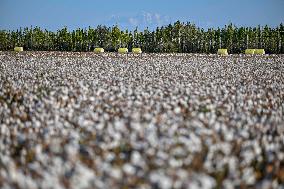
(259, 51)
(249, 51)
(99, 50)
(18, 49)
(136, 51)
(122, 50)
(222, 52)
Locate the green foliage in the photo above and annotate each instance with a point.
(177, 37)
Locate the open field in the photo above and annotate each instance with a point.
(81, 120)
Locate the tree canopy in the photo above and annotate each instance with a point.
(177, 37)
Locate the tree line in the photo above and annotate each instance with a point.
(178, 37)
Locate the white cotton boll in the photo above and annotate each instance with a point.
(175, 163)
(116, 173)
(229, 136)
(83, 178)
(177, 110)
(248, 176)
(128, 169)
(163, 181)
(120, 126)
(136, 159)
(207, 181)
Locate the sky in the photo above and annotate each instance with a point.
(129, 14)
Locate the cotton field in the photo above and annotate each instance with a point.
(85, 120)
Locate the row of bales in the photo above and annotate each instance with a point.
(139, 51)
(219, 52)
(98, 50)
(120, 50)
(247, 51)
